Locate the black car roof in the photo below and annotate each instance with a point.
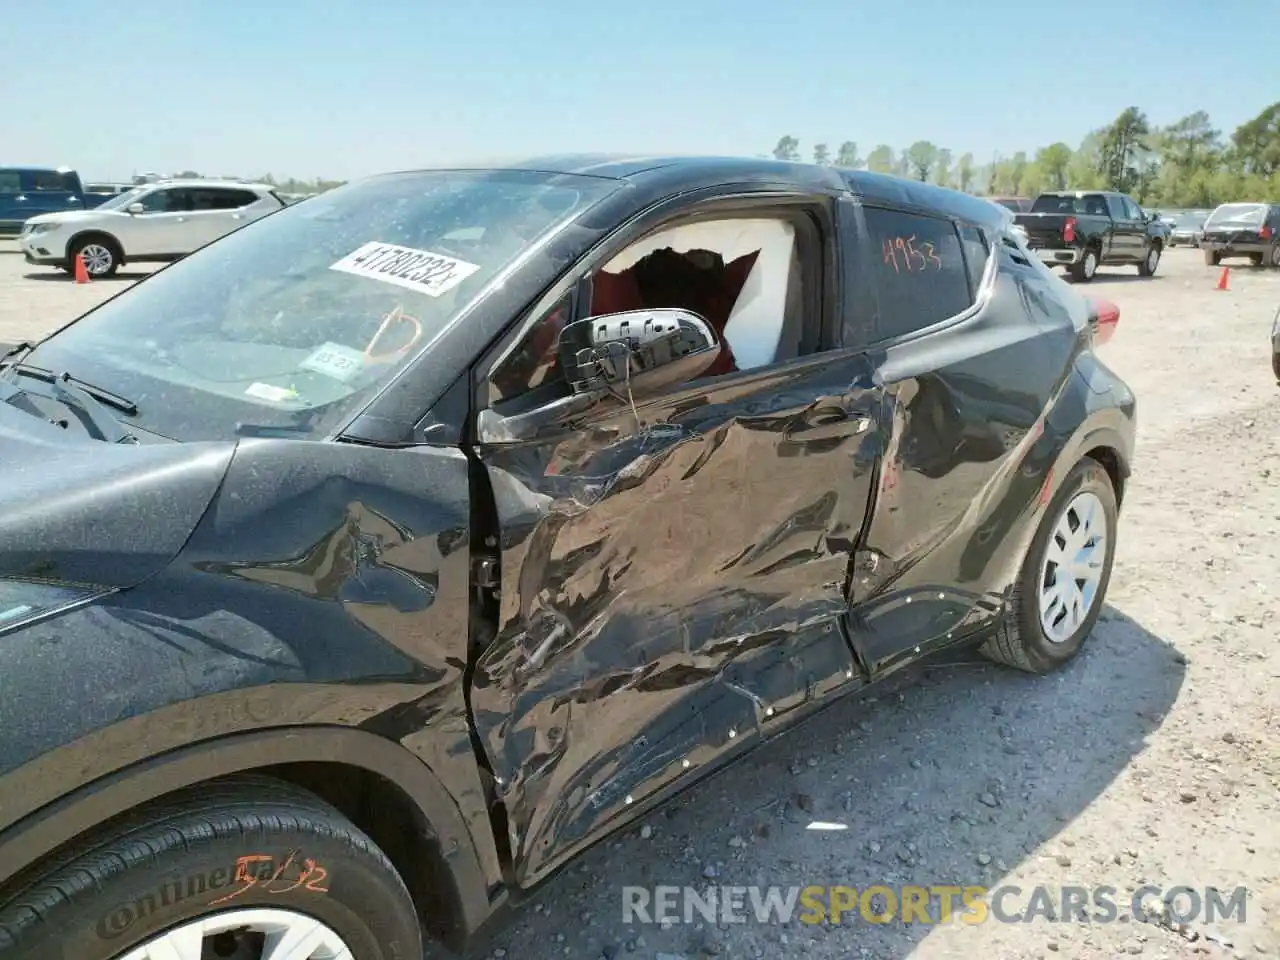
(869, 186)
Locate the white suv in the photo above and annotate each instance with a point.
(155, 222)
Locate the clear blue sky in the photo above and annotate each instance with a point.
(348, 87)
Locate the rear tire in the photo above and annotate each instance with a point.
(1212, 259)
(1086, 269)
(1022, 640)
(1257, 259)
(1274, 259)
(276, 855)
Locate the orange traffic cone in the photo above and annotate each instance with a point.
(1222, 278)
(82, 275)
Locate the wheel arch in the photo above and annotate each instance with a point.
(377, 784)
(96, 233)
(1102, 442)
(1114, 463)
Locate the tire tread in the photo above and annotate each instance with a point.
(238, 807)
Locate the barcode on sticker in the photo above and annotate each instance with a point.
(422, 270)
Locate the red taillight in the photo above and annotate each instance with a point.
(1108, 317)
(1069, 230)
(1264, 232)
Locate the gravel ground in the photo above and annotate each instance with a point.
(1153, 759)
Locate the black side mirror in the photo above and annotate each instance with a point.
(640, 351)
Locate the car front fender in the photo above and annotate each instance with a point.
(84, 806)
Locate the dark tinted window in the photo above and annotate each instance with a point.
(10, 181)
(1089, 203)
(216, 198)
(975, 253)
(49, 181)
(165, 201)
(235, 199)
(920, 270)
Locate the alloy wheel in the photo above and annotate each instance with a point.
(1153, 259)
(97, 258)
(1073, 564)
(1090, 264)
(251, 934)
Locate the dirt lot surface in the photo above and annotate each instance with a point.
(1154, 759)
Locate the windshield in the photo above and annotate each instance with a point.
(1070, 203)
(1189, 220)
(1238, 213)
(121, 200)
(294, 322)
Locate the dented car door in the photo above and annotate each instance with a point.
(673, 580)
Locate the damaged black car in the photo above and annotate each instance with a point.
(359, 570)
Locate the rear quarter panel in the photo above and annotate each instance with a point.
(982, 418)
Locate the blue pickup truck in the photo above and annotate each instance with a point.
(28, 191)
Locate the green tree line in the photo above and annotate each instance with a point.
(1188, 163)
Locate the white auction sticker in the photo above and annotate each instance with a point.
(335, 360)
(430, 273)
(265, 391)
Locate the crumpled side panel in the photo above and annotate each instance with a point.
(669, 592)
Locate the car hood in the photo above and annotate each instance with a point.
(67, 216)
(84, 511)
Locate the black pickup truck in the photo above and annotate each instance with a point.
(1083, 230)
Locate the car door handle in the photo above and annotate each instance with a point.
(825, 416)
(181, 219)
(829, 421)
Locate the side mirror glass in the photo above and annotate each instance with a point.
(640, 351)
(629, 355)
(136, 208)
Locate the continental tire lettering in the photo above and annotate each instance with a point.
(126, 916)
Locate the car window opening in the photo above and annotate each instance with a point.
(742, 276)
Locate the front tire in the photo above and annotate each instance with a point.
(251, 867)
(1212, 259)
(1147, 268)
(1060, 591)
(102, 256)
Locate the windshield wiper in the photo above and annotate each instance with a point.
(90, 411)
(17, 351)
(123, 404)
